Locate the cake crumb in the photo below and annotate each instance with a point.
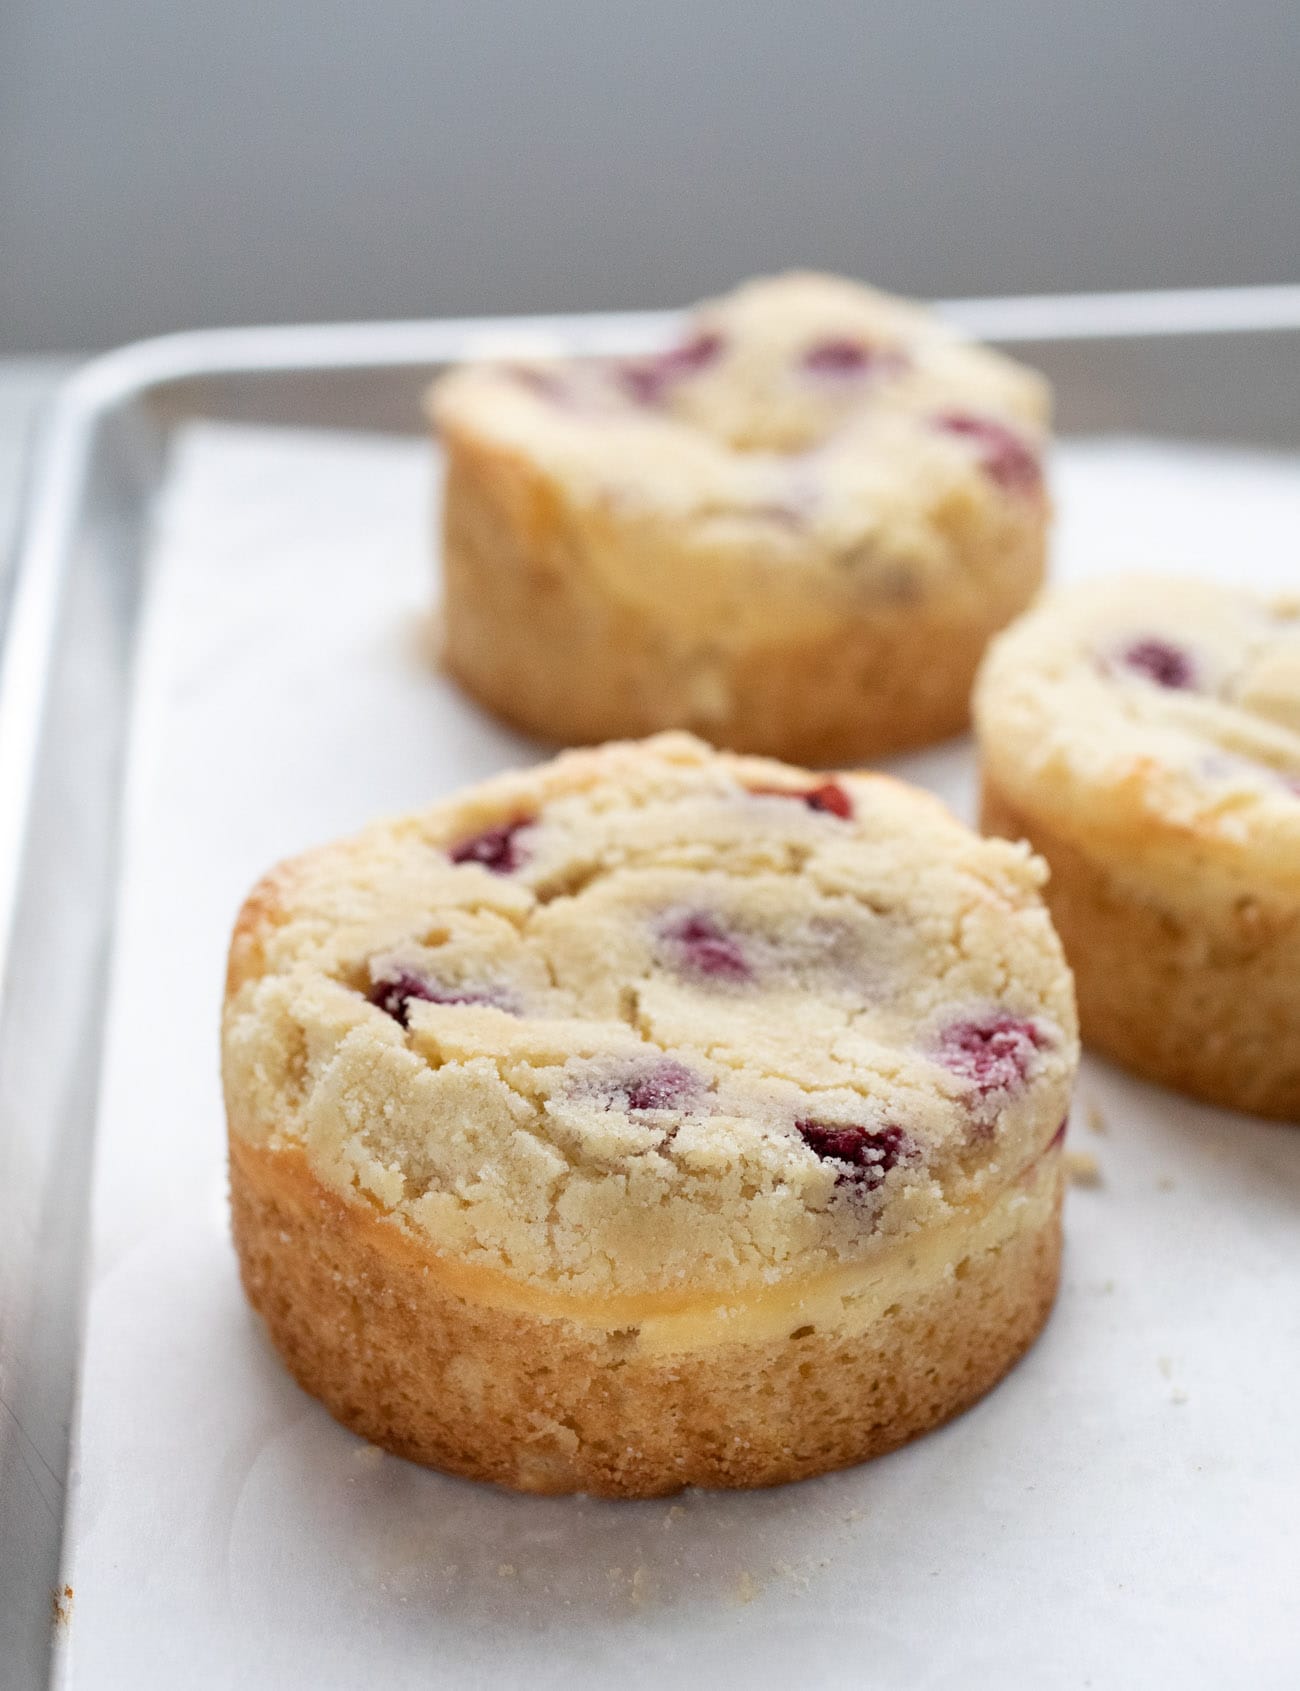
(1082, 1168)
(1165, 1183)
(506, 1570)
(1097, 1122)
(61, 1605)
(1178, 1395)
(1166, 1366)
(747, 1587)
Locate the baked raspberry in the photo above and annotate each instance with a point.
(993, 1052)
(661, 1084)
(869, 1152)
(1159, 660)
(830, 798)
(843, 356)
(647, 380)
(395, 994)
(497, 849)
(1003, 456)
(701, 946)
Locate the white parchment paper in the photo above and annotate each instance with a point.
(1120, 1512)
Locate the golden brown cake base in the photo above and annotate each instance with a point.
(533, 632)
(365, 1321)
(1205, 1008)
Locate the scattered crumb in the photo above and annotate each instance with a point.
(1096, 1121)
(368, 1456)
(853, 1515)
(1082, 1168)
(61, 1605)
(747, 1588)
(641, 1586)
(506, 1570)
(1166, 1366)
(674, 1514)
(1164, 1184)
(1108, 1285)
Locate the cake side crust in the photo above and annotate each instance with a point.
(545, 1404)
(536, 634)
(1207, 1008)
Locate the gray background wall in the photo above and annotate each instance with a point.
(165, 163)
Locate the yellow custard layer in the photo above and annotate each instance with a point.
(848, 1299)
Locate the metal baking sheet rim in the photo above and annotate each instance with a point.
(145, 368)
(142, 373)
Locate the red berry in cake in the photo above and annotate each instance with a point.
(662, 1084)
(1160, 661)
(830, 798)
(868, 1152)
(994, 1052)
(647, 380)
(1003, 455)
(700, 946)
(498, 849)
(395, 994)
(843, 357)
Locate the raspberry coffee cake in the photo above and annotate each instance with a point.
(1143, 734)
(656, 1117)
(793, 532)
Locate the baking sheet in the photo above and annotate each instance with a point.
(1119, 1512)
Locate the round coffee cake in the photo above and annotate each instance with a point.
(656, 1117)
(1143, 734)
(792, 532)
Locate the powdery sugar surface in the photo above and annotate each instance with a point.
(1129, 1482)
